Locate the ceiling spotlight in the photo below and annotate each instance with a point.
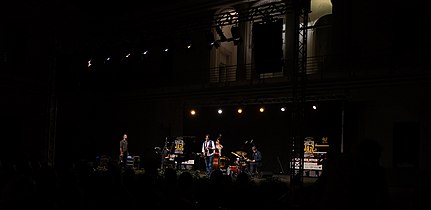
(261, 109)
(192, 112)
(239, 110)
(220, 111)
(283, 109)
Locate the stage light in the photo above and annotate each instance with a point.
(108, 60)
(187, 41)
(315, 107)
(220, 111)
(192, 112)
(210, 39)
(261, 109)
(283, 108)
(239, 110)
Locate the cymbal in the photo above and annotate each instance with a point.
(224, 158)
(236, 154)
(242, 153)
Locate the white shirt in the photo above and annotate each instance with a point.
(208, 145)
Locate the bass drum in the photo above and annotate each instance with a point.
(233, 170)
(222, 162)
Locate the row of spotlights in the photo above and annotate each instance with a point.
(240, 110)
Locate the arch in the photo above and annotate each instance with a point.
(223, 56)
(322, 46)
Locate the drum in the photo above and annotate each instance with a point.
(233, 170)
(222, 162)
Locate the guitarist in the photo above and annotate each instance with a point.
(208, 150)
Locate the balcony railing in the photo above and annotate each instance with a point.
(318, 68)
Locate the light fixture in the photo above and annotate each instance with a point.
(193, 112)
(211, 40)
(239, 110)
(220, 111)
(261, 109)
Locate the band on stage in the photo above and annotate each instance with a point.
(210, 157)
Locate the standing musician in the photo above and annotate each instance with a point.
(208, 150)
(217, 153)
(255, 161)
(124, 152)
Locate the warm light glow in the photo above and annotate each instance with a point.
(192, 112)
(239, 110)
(261, 109)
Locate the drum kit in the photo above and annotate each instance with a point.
(240, 163)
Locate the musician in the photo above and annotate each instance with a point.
(208, 150)
(218, 145)
(123, 151)
(255, 162)
(217, 153)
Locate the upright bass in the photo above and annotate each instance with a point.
(217, 153)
